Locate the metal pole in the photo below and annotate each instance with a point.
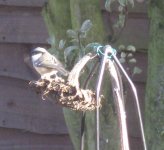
(119, 100)
(82, 131)
(98, 87)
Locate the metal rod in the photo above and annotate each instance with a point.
(82, 131)
(119, 100)
(82, 144)
(98, 87)
(135, 95)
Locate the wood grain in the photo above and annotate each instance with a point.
(29, 3)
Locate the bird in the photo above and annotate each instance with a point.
(45, 64)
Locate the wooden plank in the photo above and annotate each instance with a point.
(135, 143)
(131, 111)
(13, 139)
(12, 61)
(142, 63)
(139, 7)
(136, 32)
(22, 27)
(22, 108)
(27, 3)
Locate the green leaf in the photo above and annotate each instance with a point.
(123, 2)
(162, 133)
(68, 50)
(51, 40)
(122, 60)
(108, 4)
(86, 26)
(130, 55)
(126, 2)
(123, 54)
(136, 70)
(71, 33)
(121, 20)
(92, 46)
(121, 47)
(120, 8)
(131, 2)
(74, 41)
(132, 61)
(62, 44)
(131, 48)
(83, 34)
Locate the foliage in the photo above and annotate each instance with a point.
(76, 38)
(154, 103)
(122, 8)
(127, 53)
(77, 49)
(127, 56)
(76, 41)
(122, 3)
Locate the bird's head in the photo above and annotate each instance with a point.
(36, 53)
(38, 50)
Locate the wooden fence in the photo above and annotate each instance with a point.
(26, 121)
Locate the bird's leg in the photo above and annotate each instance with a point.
(49, 76)
(52, 76)
(37, 83)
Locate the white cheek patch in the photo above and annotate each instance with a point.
(36, 57)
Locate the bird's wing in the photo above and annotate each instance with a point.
(52, 63)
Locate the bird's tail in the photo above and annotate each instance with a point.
(63, 71)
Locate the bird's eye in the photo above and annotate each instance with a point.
(35, 52)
